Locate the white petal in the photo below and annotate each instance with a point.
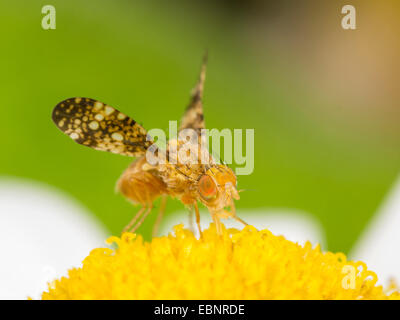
(378, 245)
(42, 234)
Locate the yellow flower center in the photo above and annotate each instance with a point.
(247, 264)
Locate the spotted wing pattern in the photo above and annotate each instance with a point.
(193, 117)
(97, 125)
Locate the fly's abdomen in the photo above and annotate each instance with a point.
(139, 185)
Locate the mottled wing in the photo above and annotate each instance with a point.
(193, 117)
(96, 125)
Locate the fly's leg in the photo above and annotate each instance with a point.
(234, 216)
(240, 220)
(217, 223)
(145, 214)
(132, 222)
(191, 222)
(160, 215)
(196, 209)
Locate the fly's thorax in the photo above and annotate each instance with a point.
(189, 152)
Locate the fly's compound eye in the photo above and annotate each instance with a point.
(207, 188)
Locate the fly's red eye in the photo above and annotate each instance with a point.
(207, 187)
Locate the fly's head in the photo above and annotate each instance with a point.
(217, 188)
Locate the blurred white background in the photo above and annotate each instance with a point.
(43, 233)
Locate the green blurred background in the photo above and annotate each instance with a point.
(324, 102)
